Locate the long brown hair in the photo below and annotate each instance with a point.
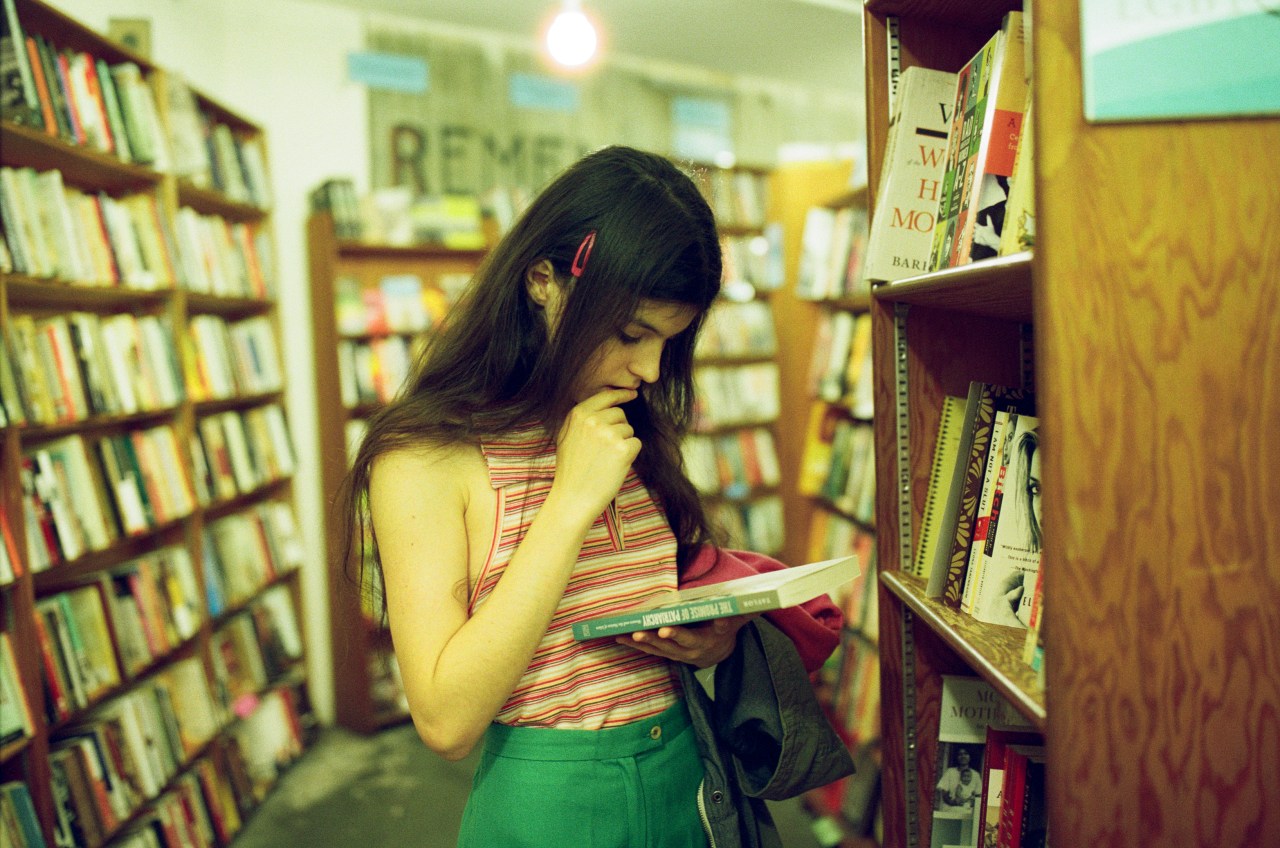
(494, 367)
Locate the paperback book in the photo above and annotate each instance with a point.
(915, 154)
(756, 593)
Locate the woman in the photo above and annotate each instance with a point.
(529, 476)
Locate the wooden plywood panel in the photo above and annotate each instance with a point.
(1158, 326)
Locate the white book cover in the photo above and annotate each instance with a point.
(911, 177)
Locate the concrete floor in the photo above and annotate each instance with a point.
(389, 791)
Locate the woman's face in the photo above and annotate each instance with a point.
(633, 355)
(962, 758)
(1033, 486)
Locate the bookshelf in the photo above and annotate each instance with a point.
(1135, 331)
(836, 479)
(732, 453)
(155, 598)
(355, 340)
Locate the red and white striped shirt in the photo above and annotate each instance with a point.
(629, 554)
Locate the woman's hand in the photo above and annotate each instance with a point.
(700, 645)
(594, 451)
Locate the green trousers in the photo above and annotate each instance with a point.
(625, 787)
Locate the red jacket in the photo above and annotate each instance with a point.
(814, 626)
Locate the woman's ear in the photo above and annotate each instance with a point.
(540, 282)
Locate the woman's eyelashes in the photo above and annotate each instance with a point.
(627, 338)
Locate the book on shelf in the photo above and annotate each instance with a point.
(19, 824)
(956, 528)
(18, 95)
(11, 564)
(1006, 572)
(997, 461)
(993, 105)
(1019, 230)
(972, 91)
(15, 713)
(901, 235)
(755, 593)
(982, 220)
(999, 738)
(945, 450)
(969, 706)
(1023, 811)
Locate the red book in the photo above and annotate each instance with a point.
(1016, 760)
(999, 738)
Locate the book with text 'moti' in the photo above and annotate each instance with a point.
(755, 593)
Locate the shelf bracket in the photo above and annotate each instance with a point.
(902, 418)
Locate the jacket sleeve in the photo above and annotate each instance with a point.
(813, 627)
(780, 741)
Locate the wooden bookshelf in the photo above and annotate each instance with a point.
(184, 532)
(359, 635)
(1136, 332)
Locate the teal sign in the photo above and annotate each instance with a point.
(389, 71)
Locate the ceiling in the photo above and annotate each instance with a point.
(811, 43)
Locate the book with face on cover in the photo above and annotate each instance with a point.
(756, 593)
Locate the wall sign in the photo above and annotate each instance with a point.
(1164, 59)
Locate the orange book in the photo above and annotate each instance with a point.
(42, 88)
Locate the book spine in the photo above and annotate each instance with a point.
(650, 620)
(991, 482)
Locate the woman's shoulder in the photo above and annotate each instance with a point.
(434, 464)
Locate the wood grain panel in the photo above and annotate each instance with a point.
(1158, 326)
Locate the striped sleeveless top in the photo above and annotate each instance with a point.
(629, 554)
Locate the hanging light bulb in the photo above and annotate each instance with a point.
(571, 38)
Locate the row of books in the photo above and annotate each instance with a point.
(207, 151)
(394, 215)
(981, 532)
(81, 663)
(989, 783)
(840, 362)
(832, 534)
(838, 462)
(399, 303)
(753, 260)
(245, 551)
(114, 767)
(739, 197)
(374, 371)
(754, 525)
(735, 396)
(231, 358)
(155, 605)
(56, 231)
(82, 495)
(82, 99)
(70, 366)
(957, 180)
(238, 452)
(738, 330)
(113, 108)
(832, 252)
(733, 464)
(105, 768)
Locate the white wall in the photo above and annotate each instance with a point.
(282, 65)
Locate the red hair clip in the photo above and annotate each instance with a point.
(584, 253)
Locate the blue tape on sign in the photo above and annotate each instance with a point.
(389, 71)
(530, 91)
